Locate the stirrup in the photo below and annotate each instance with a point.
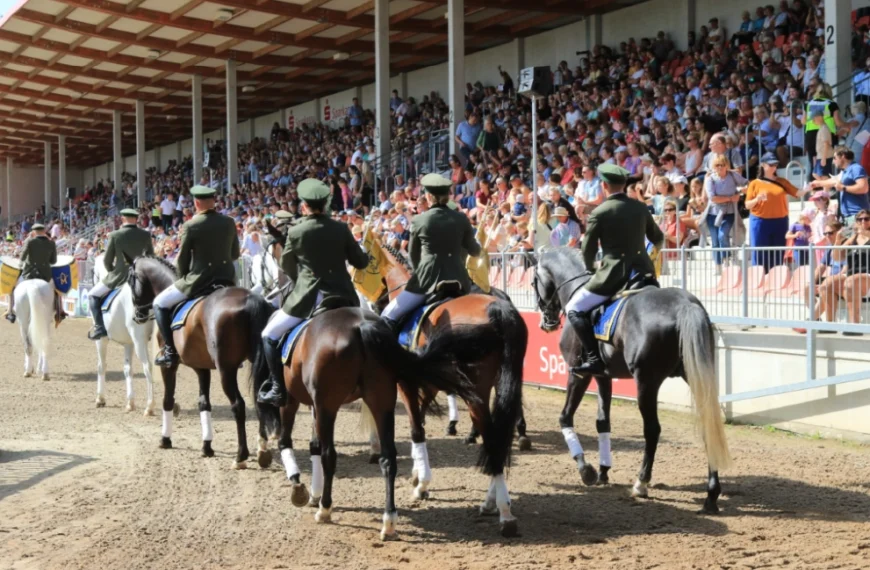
(11, 317)
(167, 358)
(590, 368)
(97, 333)
(274, 396)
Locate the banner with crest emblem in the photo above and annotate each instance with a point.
(370, 280)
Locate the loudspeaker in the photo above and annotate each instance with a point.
(70, 193)
(535, 81)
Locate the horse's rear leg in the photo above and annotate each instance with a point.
(170, 408)
(386, 421)
(299, 494)
(421, 472)
(140, 346)
(128, 376)
(101, 372)
(315, 451)
(230, 384)
(204, 378)
(523, 442)
(326, 432)
(497, 499)
(602, 425)
(452, 414)
(577, 386)
(647, 402)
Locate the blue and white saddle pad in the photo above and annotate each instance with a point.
(288, 343)
(179, 317)
(605, 319)
(107, 300)
(412, 323)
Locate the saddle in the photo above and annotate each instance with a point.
(109, 299)
(330, 303)
(182, 311)
(291, 337)
(444, 291)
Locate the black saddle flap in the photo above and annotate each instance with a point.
(445, 290)
(332, 302)
(214, 286)
(642, 281)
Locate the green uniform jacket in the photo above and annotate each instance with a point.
(209, 246)
(36, 259)
(314, 258)
(441, 240)
(130, 240)
(620, 225)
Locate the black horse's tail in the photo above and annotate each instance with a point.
(512, 335)
(258, 311)
(434, 367)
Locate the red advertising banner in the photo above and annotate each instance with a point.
(544, 364)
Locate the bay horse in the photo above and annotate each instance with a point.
(662, 333)
(345, 354)
(130, 332)
(220, 332)
(491, 365)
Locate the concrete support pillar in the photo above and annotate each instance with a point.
(519, 48)
(597, 30)
(318, 111)
(358, 95)
(61, 171)
(691, 24)
(116, 152)
(157, 158)
(837, 39)
(47, 196)
(9, 166)
(404, 86)
(455, 66)
(232, 126)
(140, 152)
(283, 117)
(252, 130)
(198, 152)
(382, 80)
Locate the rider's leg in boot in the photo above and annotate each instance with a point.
(593, 365)
(273, 391)
(168, 357)
(99, 330)
(10, 310)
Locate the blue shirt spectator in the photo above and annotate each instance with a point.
(355, 113)
(851, 204)
(467, 132)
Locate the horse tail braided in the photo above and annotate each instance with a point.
(697, 347)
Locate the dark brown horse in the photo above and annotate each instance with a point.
(346, 354)
(495, 362)
(220, 333)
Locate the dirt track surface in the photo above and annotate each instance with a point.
(88, 488)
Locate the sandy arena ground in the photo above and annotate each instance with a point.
(88, 488)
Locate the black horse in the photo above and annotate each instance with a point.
(662, 333)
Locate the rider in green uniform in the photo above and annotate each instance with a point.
(619, 225)
(37, 257)
(441, 239)
(209, 248)
(130, 241)
(314, 258)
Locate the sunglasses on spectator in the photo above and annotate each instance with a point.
(670, 209)
(862, 219)
(829, 233)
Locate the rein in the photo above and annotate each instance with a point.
(546, 307)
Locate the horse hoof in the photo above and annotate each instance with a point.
(207, 451)
(100, 402)
(323, 516)
(176, 409)
(588, 475)
(488, 511)
(639, 491)
(710, 508)
(28, 374)
(374, 458)
(451, 429)
(299, 495)
(603, 480)
(149, 411)
(240, 465)
(165, 443)
(524, 443)
(509, 529)
(470, 440)
(314, 502)
(46, 377)
(264, 458)
(389, 536)
(130, 406)
(420, 494)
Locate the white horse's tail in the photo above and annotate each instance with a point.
(367, 425)
(698, 353)
(40, 300)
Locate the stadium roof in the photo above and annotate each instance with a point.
(66, 66)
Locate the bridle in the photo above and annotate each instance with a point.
(142, 313)
(546, 307)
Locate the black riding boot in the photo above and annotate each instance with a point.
(593, 365)
(99, 330)
(10, 310)
(393, 325)
(273, 391)
(168, 357)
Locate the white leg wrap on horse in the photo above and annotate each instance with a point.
(421, 461)
(207, 429)
(574, 447)
(316, 477)
(604, 457)
(288, 458)
(167, 423)
(502, 498)
(452, 408)
(488, 505)
(390, 520)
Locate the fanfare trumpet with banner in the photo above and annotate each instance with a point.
(370, 281)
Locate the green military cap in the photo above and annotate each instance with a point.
(130, 212)
(613, 174)
(200, 191)
(312, 189)
(436, 184)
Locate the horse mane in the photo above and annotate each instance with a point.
(162, 261)
(399, 256)
(564, 257)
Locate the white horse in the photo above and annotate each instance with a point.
(120, 321)
(266, 277)
(34, 309)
